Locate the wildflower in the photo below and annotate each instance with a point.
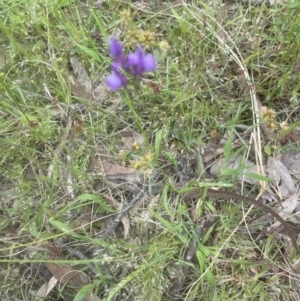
(136, 165)
(143, 163)
(116, 80)
(115, 47)
(122, 155)
(133, 35)
(126, 15)
(213, 134)
(164, 45)
(267, 114)
(148, 157)
(138, 62)
(272, 125)
(146, 38)
(136, 146)
(284, 125)
(135, 63)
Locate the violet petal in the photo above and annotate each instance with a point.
(115, 47)
(149, 63)
(115, 81)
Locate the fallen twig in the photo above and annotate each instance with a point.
(113, 226)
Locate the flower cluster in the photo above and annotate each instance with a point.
(143, 163)
(144, 37)
(268, 116)
(135, 63)
(126, 15)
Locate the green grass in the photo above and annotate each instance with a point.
(200, 92)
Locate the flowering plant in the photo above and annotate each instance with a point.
(135, 64)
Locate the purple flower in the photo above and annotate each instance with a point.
(116, 80)
(115, 47)
(116, 51)
(138, 62)
(149, 62)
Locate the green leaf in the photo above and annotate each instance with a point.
(258, 177)
(61, 226)
(170, 157)
(5, 223)
(27, 118)
(101, 22)
(96, 199)
(294, 4)
(93, 54)
(64, 228)
(211, 280)
(33, 230)
(86, 290)
(163, 221)
(63, 3)
(158, 138)
(227, 148)
(267, 149)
